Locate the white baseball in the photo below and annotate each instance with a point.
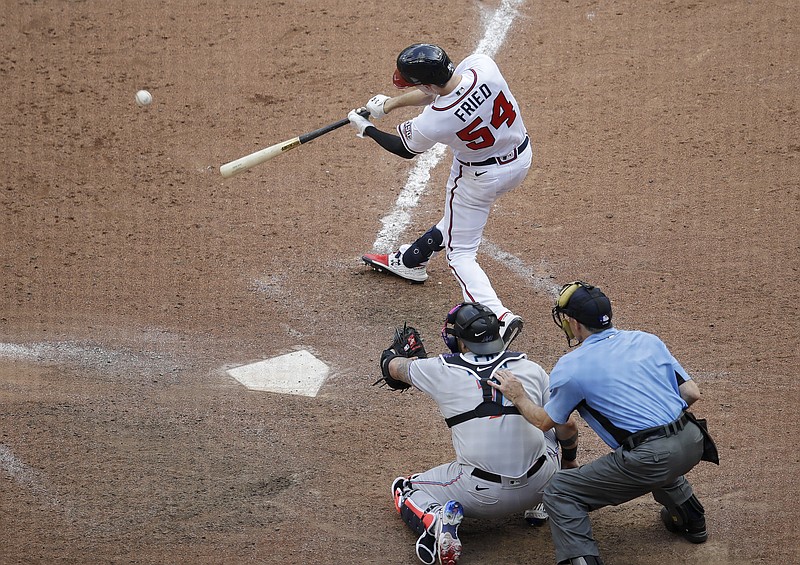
(143, 98)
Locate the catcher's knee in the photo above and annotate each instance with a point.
(422, 249)
(415, 517)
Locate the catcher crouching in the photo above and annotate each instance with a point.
(502, 462)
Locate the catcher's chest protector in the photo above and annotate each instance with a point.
(489, 406)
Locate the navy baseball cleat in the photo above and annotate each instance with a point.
(447, 542)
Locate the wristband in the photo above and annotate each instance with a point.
(568, 441)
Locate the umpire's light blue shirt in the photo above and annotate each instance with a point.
(627, 376)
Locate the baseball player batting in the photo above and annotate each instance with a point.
(471, 109)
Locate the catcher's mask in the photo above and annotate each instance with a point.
(475, 325)
(583, 302)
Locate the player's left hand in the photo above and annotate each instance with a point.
(406, 343)
(359, 122)
(376, 106)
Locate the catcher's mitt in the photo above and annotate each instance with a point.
(406, 343)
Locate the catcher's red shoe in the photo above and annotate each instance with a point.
(398, 491)
(393, 263)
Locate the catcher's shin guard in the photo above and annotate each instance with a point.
(422, 523)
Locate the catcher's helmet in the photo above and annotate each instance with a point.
(475, 325)
(422, 63)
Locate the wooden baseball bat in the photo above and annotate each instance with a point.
(249, 161)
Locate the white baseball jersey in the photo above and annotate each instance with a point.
(478, 120)
(520, 456)
(507, 445)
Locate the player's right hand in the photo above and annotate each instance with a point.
(375, 106)
(359, 122)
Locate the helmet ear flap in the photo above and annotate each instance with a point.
(567, 329)
(566, 293)
(448, 331)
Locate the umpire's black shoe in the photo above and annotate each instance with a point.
(694, 530)
(583, 560)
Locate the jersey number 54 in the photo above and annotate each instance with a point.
(479, 136)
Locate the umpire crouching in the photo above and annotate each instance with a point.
(634, 394)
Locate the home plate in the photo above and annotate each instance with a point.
(294, 373)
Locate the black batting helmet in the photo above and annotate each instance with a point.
(422, 63)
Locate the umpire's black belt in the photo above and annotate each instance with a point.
(636, 439)
(500, 160)
(494, 478)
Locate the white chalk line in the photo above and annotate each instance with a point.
(25, 475)
(498, 26)
(15, 468)
(88, 355)
(399, 218)
(539, 278)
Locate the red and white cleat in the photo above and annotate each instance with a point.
(393, 263)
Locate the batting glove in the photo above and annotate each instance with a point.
(359, 122)
(375, 106)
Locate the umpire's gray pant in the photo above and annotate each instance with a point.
(655, 466)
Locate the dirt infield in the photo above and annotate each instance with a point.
(665, 138)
